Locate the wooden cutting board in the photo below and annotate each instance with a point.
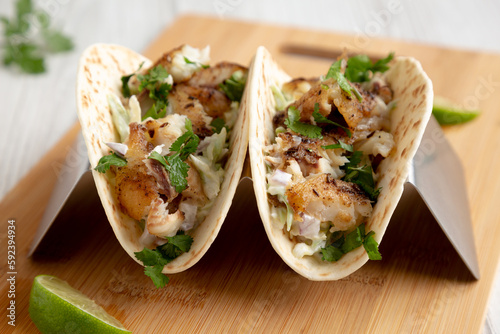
(241, 285)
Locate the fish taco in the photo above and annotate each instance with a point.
(166, 142)
(330, 156)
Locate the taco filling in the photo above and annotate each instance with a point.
(173, 120)
(331, 134)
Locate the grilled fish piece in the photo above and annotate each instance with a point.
(328, 199)
(214, 75)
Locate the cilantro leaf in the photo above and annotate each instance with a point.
(234, 86)
(354, 160)
(161, 92)
(157, 110)
(217, 124)
(360, 175)
(155, 259)
(155, 81)
(363, 176)
(174, 164)
(169, 251)
(176, 168)
(25, 55)
(331, 253)
(107, 161)
(125, 79)
(341, 145)
(187, 143)
(149, 81)
(26, 47)
(338, 238)
(155, 273)
(371, 247)
(125, 88)
(381, 64)
(160, 158)
(23, 8)
(294, 123)
(178, 172)
(335, 72)
(56, 42)
(181, 241)
(319, 118)
(151, 257)
(175, 246)
(352, 240)
(43, 19)
(360, 67)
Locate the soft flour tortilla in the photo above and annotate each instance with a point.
(100, 69)
(413, 93)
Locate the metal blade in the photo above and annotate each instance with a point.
(438, 177)
(73, 180)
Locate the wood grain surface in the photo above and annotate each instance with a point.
(241, 285)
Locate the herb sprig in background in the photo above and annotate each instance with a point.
(28, 38)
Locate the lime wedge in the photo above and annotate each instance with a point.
(56, 307)
(448, 113)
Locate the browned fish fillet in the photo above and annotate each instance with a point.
(215, 75)
(328, 199)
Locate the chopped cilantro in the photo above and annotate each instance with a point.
(354, 160)
(343, 245)
(107, 161)
(176, 245)
(150, 80)
(360, 67)
(294, 123)
(178, 172)
(155, 81)
(187, 143)
(177, 169)
(381, 64)
(155, 273)
(174, 164)
(335, 72)
(157, 110)
(340, 144)
(217, 124)
(161, 91)
(331, 253)
(195, 63)
(125, 79)
(371, 247)
(352, 241)
(234, 86)
(151, 257)
(361, 175)
(56, 42)
(27, 46)
(155, 259)
(318, 118)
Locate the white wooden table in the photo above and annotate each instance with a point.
(37, 110)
